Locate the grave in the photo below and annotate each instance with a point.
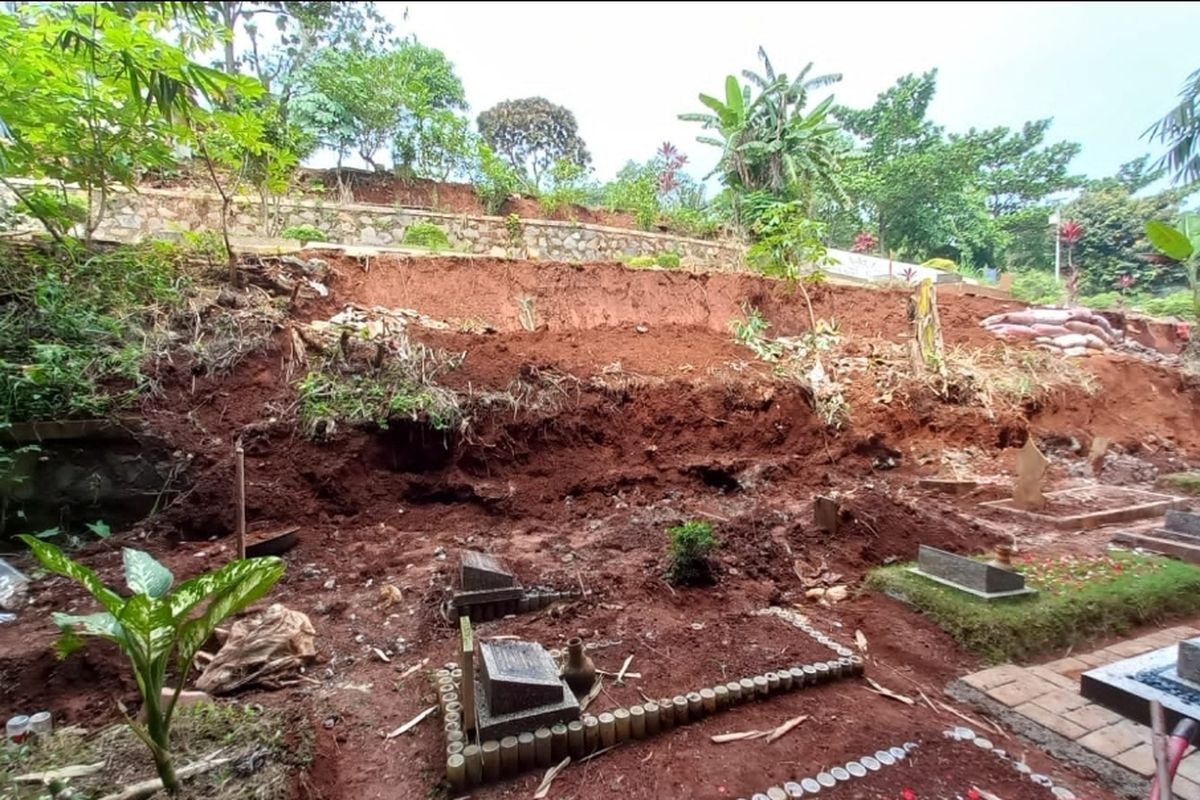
(954, 486)
(1031, 475)
(1083, 507)
(1180, 537)
(519, 689)
(1169, 675)
(486, 588)
(985, 581)
(827, 513)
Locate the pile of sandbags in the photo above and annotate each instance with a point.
(1070, 331)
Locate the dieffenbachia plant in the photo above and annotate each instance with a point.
(1180, 244)
(155, 624)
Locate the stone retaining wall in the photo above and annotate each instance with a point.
(155, 212)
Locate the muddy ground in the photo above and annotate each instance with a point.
(649, 414)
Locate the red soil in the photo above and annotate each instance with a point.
(578, 492)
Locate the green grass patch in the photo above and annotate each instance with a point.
(427, 235)
(1078, 598)
(1185, 482)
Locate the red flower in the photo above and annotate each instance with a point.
(907, 794)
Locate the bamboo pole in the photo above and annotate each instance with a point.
(241, 500)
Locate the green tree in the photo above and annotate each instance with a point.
(1180, 131)
(533, 134)
(355, 100)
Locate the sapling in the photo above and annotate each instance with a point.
(155, 623)
(687, 555)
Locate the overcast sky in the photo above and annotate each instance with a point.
(1103, 71)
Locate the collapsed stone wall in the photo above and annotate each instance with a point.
(157, 212)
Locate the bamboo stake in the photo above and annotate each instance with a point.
(241, 500)
(1158, 724)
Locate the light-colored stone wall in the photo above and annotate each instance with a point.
(154, 212)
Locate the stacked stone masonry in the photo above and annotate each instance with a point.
(132, 216)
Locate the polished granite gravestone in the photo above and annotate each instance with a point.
(519, 689)
(1168, 675)
(986, 581)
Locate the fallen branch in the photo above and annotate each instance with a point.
(414, 668)
(877, 689)
(611, 674)
(61, 774)
(412, 723)
(785, 727)
(586, 701)
(976, 722)
(740, 736)
(552, 773)
(146, 788)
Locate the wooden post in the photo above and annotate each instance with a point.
(466, 688)
(1158, 745)
(241, 499)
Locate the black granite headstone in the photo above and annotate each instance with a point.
(976, 577)
(1184, 522)
(518, 676)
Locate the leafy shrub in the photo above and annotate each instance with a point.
(635, 190)
(566, 188)
(1102, 301)
(304, 233)
(687, 555)
(426, 234)
(694, 222)
(156, 623)
(495, 180)
(1037, 288)
(943, 264)
(642, 262)
(667, 260)
(1177, 304)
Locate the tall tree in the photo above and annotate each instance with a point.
(1180, 131)
(533, 134)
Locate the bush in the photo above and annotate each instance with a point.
(943, 264)
(567, 188)
(687, 555)
(642, 262)
(495, 180)
(692, 222)
(1177, 304)
(1102, 301)
(304, 233)
(668, 260)
(1037, 288)
(426, 234)
(635, 190)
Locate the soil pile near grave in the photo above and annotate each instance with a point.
(602, 405)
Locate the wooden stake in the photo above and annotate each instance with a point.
(1158, 725)
(241, 499)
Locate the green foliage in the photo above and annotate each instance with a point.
(361, 100)
(155, 627)
(74, 334)
(1037, 288)
(1180, 131)
(1181, 304)
(566, 188)
(90, 97)
(533, 134)
(1065, 612)
(788, 243)
(641, 262)
(635, 190)
(328, 398)
(1114, 242)
(1181, 482)
(495, 180)
(769, 141)
(697, 223)
(668, 260)
(304, 233)
(943, 264)
(688, 553)
(426, 234)
(441, 146)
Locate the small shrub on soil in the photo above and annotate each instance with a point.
(667, 260)
(687, 555)
(426, 234)
(304, 233)
(1185, 482)
(641, 262)
(1037, 288)
(495, 180)
(1079, 598)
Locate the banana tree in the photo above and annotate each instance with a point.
(1180, 244)
(155, 623)
(730, 119)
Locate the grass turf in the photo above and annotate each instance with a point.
(1078, 599)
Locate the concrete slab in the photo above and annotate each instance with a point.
(1131, 504)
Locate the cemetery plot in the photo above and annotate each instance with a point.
(1091, 506)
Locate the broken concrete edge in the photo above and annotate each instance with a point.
(1164, 547)
(1112, 775)
(973, 592)
(1096, 518)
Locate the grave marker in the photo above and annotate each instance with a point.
(826, 513)
(1188, 663)
(1031, 474)
(519, 689)
(985, 581)
(482, 571)
(466, 662)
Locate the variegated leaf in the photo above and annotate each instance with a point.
(251, 580)
(59, 563)
(149, 628)
(193, 591)
(144, 575)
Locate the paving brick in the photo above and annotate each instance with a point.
(1064, 666)
(1133, 647)
(1051, 720)
(1097, 659)
(1116, 738)
(1091, 716)
(1062, 681)
(1140, 759)
(1185, 789)
(1181, 632)
(1190, 767)
(996, 676)
(1023, 689)
(1061, 701)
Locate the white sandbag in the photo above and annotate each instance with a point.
(1075, 352)
(1013, 331)
(1071, 340)
(1050, 330)
(1095, 342)
(1050, 316)
(994, 319)
(1079, 326)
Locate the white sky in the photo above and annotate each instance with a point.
(1104, 71)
